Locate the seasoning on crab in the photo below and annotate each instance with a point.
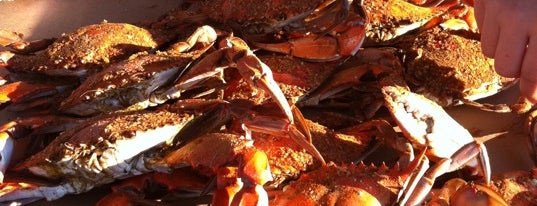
(85, 50)
(131, 84)
(318, 30)
(428, 127)
(392, 19)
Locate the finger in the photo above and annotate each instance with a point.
(479, 11)
(528, 73)
(489, 34)
(510, 51)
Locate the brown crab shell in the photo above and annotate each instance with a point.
(447, 66)
(342, 185)
(288, 160)
(106, 148)
(517, 187)
(390, 19)
(242, 11)
(295, 77)
(85, 50)
(126, 85)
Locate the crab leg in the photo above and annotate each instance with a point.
(331, 17)
(198, 74)
(139, 78)
(20, 91)
(224, 111)
(257, 73)
(461, 158)
(430, 128)
(279, 127)
(239, 55)
(340, 81)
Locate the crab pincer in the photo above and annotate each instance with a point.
(333, 30)
(259, 74)
(428, 127)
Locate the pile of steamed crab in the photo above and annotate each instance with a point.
(258, 103)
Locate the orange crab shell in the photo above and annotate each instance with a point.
(87, 48)
(248, 10)
(517, 187)
(448, 66)
(288, 160)
(294, 76)
(342, 185)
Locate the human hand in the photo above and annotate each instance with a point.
(509, 35)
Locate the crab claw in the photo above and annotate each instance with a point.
(298, 132)
(256, 72)
(425, 124)
(346, 28)
(244, 185)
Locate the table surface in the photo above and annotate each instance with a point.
(50, 18)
